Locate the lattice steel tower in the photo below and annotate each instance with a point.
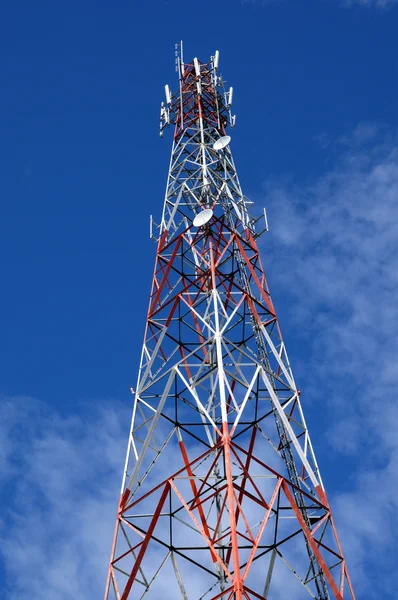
(222, 497)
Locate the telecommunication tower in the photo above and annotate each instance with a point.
(221, 497)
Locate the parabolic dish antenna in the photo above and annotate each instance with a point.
(222, 142)
(203, 217)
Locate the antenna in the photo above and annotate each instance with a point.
(216, 60)
(168, 94)
(197, 67)
(222, 142)
(202, 218)
(182, 57)
(177, 58)
(179, 54)
(230, 96)
(265, 219)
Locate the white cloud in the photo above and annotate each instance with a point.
(371, 3)
(378, 4)
(62, 475)
(261, 2)
(362, 134)
(334, 242)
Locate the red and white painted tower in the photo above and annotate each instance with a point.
(222, 497)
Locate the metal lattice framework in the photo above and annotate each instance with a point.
(222, 495)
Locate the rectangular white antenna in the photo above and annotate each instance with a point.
(168, 94)
(216, 59)
(197, 67)
(182, 55)
(230, 96)
(265, 219)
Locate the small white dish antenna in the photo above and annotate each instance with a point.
(203, 217)
(222, 142)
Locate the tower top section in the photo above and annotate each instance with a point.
(201, 97)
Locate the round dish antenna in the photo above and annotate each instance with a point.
(203, 217)
(222, 142)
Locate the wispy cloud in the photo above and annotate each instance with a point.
(335, 243)
(383, 4)
(62, 475)
(261, 2)
(377, 4)
(363, 134)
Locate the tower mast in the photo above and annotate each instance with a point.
(221, 496)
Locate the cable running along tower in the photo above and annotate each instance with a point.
(221, 497)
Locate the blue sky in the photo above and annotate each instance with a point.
(82, 168)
